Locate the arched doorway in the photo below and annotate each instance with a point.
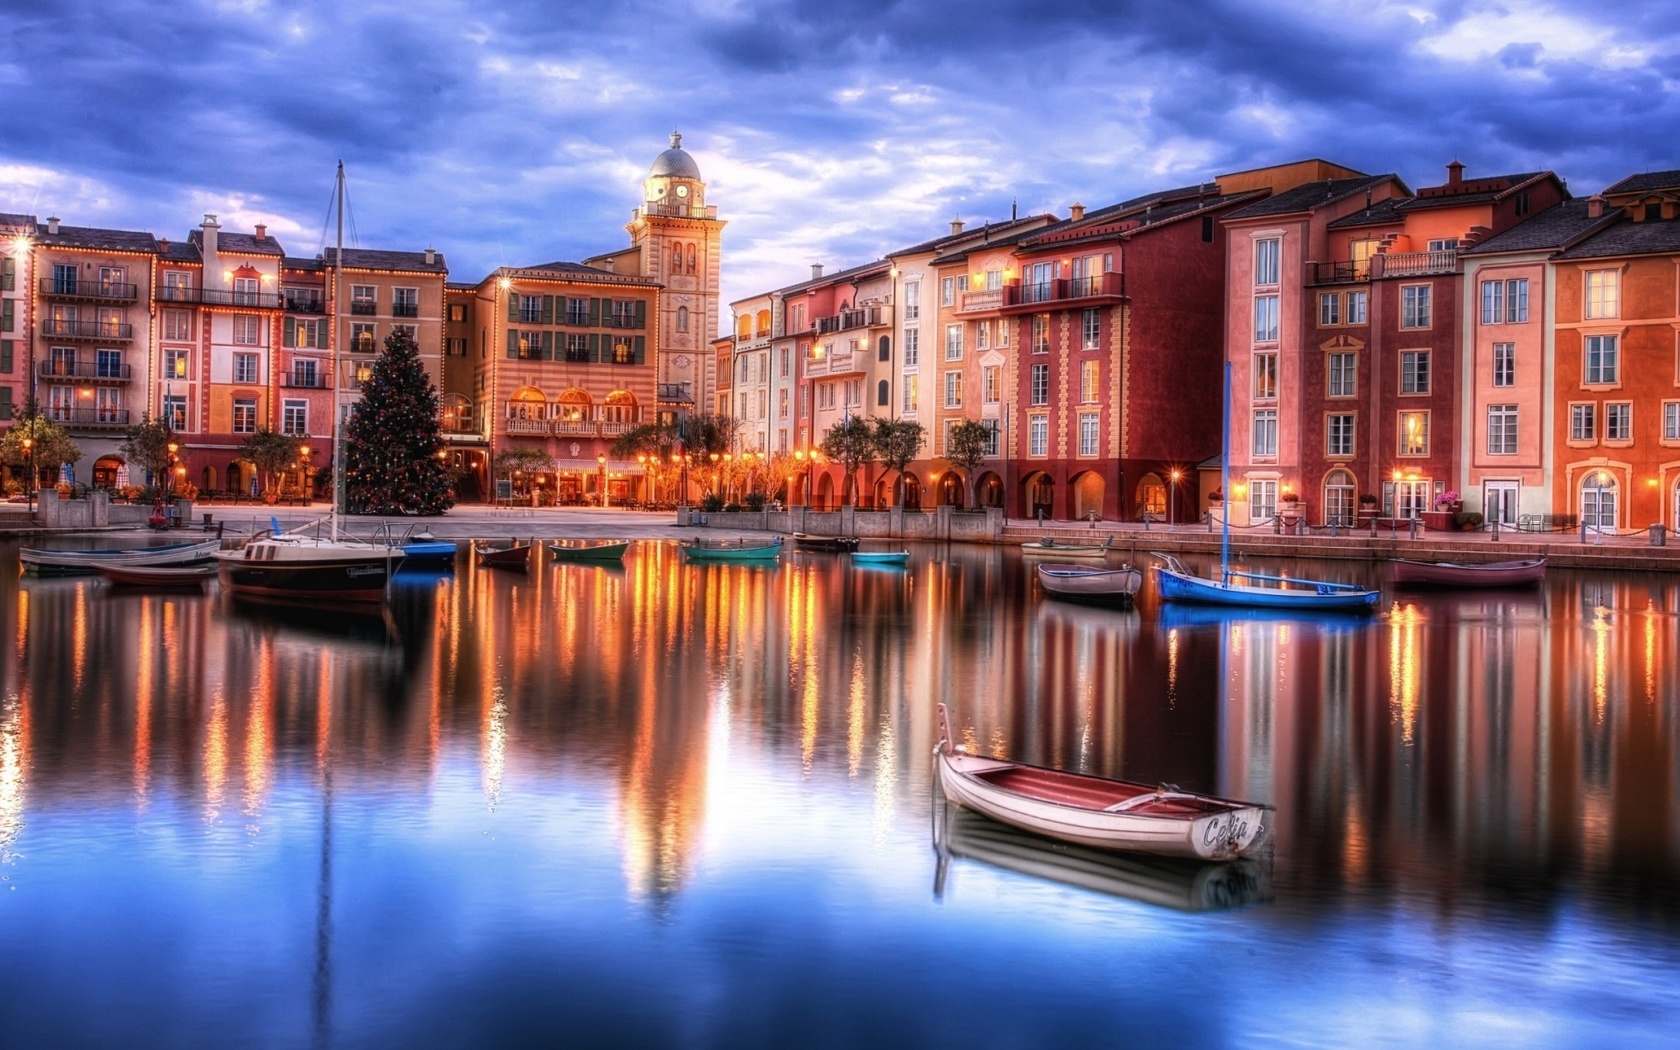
(1152, 497)
(1088, 492)
(912, 492)
(989, 492)
(1339, 499)
(105, 470)
(950, 489)
(242, 478)
(207, 479)
(885, 489)
(1599, 501)
(1040, 492)
(824, 497)
(573, 413)
(620, 412)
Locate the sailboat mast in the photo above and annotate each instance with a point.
(338, 409)
(1225, 484)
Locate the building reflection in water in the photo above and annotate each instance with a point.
(1432, 751)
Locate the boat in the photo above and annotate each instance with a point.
(1176, 583)
(513, 556)
(700, 551)
(302, 565)
(1089, 583)
(881, 557)
(184, 576)
(589, 550)
(826, 544)
(1093, 811)
(49, 562)
(1166, 882)
(423, 550)
(1048, 547)
(1465, 574)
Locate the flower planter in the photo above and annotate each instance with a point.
(1440, 520)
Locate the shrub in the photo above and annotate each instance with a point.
(712, 503)
(732, 508)
(755, 501)
(1468, 519)
(1368, 500)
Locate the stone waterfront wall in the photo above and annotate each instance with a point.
(941, 523)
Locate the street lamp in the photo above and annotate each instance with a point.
(799, 456)
(29, 471)
(173, 448)
(1598, 512)
(606, 500)
(1172, 500)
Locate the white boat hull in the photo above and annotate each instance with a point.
(1091, 584)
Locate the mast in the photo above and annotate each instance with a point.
(1225, 483)
(338, 409)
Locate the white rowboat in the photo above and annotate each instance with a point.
(1089, 583)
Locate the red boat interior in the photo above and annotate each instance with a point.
(1072, 789)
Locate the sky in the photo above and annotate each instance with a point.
(516, 132)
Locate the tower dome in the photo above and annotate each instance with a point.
(675, 163)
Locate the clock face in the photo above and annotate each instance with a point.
(682, 191)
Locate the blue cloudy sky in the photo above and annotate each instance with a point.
(517, 132)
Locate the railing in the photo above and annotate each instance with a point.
(111, 291)
(364, 307)
(614, 429)
(525, 426)
(362, 344)
(89, 417)
(681, 211)
(675, 393)
(1346, 272)
(575, 427)
(64, 329)
(405, 309)
(1065, 289)
(1401, 264)
(357, 381)
(81, 370)
(846, 320)
(972, 302)
(306, 380)
(256, 300)
(301, 305)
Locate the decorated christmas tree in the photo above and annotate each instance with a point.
(391, 444)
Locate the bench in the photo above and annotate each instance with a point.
(1545, 522)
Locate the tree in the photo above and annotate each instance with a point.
(645, 439)
(965, 448)
(850, 443)
(147, 446)
(391, 463)
(50, 447)
(897, 442)
(270, 452)
(521, 459)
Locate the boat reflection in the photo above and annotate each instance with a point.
(1158, 881)
(1179, 614)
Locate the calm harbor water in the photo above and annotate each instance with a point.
(672, 805)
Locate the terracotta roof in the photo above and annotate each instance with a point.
(247, 244)
(1650, 180)
(1309, 196)
(1474, 191)
(90, 237)
(1551, 229)
(179, 252)
(9, 219)
(573, 270)
(827, 278)
(997, 229)
(1379, 213)
(374, 259)
(991, 239)
(1626, 237)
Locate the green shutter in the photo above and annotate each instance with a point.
(7, 409)
(548, 346)
(594, 346)
(289, 336)
(641, 343)
(8, 274)
(641, 313)
(594, 314)
(513, 343)
(5, 356)
(548, 309)
(6, 315)
(513, 307)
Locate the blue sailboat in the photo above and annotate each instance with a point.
(1177, 583)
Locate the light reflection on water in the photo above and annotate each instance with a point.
(675, 803)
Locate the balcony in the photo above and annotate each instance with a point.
(93, 331)
(89, 418)
(525, 426)
(680, 211)
(839, 362)
(981, 302)
(296, 304)
(363, 307)
(97, 291)
(846, 320)
(615, 429)
(91, 370)
(1020, 296)
(405, 309)
(175, 293)
(675, 394)
(1346, 272)
(306, 380)
(1402, 264)
(574, 427)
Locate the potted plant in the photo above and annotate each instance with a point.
(1289, 508)
(1216, 496)
(1447, 506)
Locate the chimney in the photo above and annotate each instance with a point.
(262, 232)
(956, 226)
(1076, 212)
(52, 224)
(210, 230)
(1595, 206)
(431, 256)
(163, 245)
(1455, 173)
(816, 270)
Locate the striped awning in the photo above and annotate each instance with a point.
(589, 466)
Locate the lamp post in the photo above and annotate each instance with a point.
(606, 500)
(1172, 500)
(728, 478)
(29, 471)
(799, 457)
(1598, 513)
(642, 460)
(170, 470)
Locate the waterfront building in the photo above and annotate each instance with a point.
(744, 381)
(16, 279)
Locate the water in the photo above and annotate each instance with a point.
(680, 806)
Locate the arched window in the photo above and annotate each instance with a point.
(883, 393)
(1598, 500)
(676, 258)
(1338, 498)
(691, 258)
(682, 318)
(883, 350)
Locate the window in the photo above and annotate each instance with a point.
(1003, 332)
(883, 393)
(1041, 333)
(107, 364)
(783, 403)
(1265, 318)
(1088, 430)
(953, 389)
(1342, 375)
(624, 313)
(361, 338)
(1504, 364)
(577, 312)
(363, 299)
(947, 291)
(245, 368)
(530, 309)
(1502, 430)
(912, 347)
(912, 300)
(992, 384)
(994, 280)
(1329, 309)
(245, 291)
(1516, 301)
(1207, 229)
(1265, 432)
(175, 411)
(1040, 384)
(412, 331)
(1414, 306)
(1601, 297)
(405, 302)
(177, 324)
(1262, 500)
(1266, 376)
(1092, 329)
(1601, 359)
(783, 362)
(1582, 425)
(1598, 500)
(1414, 372)
(1266, 261)
(303, 333)
(244, 415)
(1671, 421)
(682, 318)
(247, 330)
(910, 398)
(1089, 381)
(457, 312)
(982, 330)
(303, 373)
(804, 402)
(455, 347)
(1493, 302)
(175, 364)
(1338, 439)
(883, 348)
(1618, 421)
(1414, 433)
(1038, 435)
(1438, 245)
(991, 426)
(294, 417)
(1356, 305)
(953, 342)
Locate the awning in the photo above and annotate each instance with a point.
(589, 466)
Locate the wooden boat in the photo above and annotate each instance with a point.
(428, 553)
(881, 557)
(1089, 583)
(48, 562)
(1048, 547)
(1165, 882)
(293, 566)
(1098, 812)
(183, 576)
(827, 544)
(1177, 583)
(699, 551)
(1462, 574)
(514, 556)
(589, 550)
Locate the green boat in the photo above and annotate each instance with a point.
(585, 550)
(709, 552)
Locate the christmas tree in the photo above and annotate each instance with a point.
(391, 445)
